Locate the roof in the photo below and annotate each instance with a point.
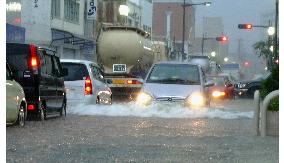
(176, 62)
(77, 61)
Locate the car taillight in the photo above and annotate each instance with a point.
(88, 86)
(31, 107)
(33, 61)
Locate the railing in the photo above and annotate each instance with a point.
(263, 110)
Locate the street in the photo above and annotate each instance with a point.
(103, 134)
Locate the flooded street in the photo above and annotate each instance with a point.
(123, 133)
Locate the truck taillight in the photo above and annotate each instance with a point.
(133, 82)
(33, 61)
(88, 86)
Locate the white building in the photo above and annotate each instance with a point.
(59, 24)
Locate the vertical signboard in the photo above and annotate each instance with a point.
(91, 9)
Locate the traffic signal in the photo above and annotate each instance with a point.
(245, 26)
(222, 39)
(247, 64)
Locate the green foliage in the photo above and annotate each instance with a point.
(274, 105)
(269, 85)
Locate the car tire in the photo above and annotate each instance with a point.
(22, 116)
(41, 112)
(63, 109)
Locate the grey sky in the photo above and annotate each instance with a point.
(234, 12)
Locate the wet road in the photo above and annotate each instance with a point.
(99, 138)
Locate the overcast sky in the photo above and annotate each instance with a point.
(234, 12)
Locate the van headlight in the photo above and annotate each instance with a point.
(196, 99)
(144, 98)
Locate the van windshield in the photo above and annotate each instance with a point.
(174, 74)
(17, 56)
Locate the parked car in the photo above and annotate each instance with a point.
(222, 89)
(247, 88)
(175, 82)
(16, 105)
(38, 71)
(85, 82)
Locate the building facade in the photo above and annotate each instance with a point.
(139, 15)
(212, 27)
(61, 25)
(168, 22)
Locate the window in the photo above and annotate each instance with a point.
(55, 9)
(96, 72)
(48, 64)
(71, 11)
(76, 71)
(8, 73)
(56, 70)
(174, 74)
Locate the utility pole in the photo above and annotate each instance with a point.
(276, 28)
(183, 25)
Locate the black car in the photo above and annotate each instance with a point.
(247, 88)
(38, 71)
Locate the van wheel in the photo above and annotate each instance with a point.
(63, 110)
(22, 116)
(42, 112)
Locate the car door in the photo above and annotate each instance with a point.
(47, 83)
(11, 97)
(59, 81)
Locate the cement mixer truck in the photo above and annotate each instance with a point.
(126, 56)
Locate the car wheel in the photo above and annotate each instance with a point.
(22, 116)
(41, 112)
(63, 110)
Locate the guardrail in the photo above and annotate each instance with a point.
(262, 111)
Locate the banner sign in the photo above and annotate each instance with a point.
(92, 10)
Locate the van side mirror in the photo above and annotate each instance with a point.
(64, 72)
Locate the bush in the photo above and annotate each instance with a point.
(269, 85)
(274, 104)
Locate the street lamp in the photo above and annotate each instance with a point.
(213, 54)
(271, 31)
(226, 59)
(183, 17)
(124, 10)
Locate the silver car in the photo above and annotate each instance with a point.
(175, 82)
(85, 82)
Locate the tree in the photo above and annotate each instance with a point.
(263, 49)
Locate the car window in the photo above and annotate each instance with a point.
(43, 62)
(48, 63)
(56, 68)
(8, 73)
(174, 74)
(96, 72)
(218, 81)
(17, 56)
(76, 71)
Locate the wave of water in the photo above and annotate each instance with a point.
(156, 110)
